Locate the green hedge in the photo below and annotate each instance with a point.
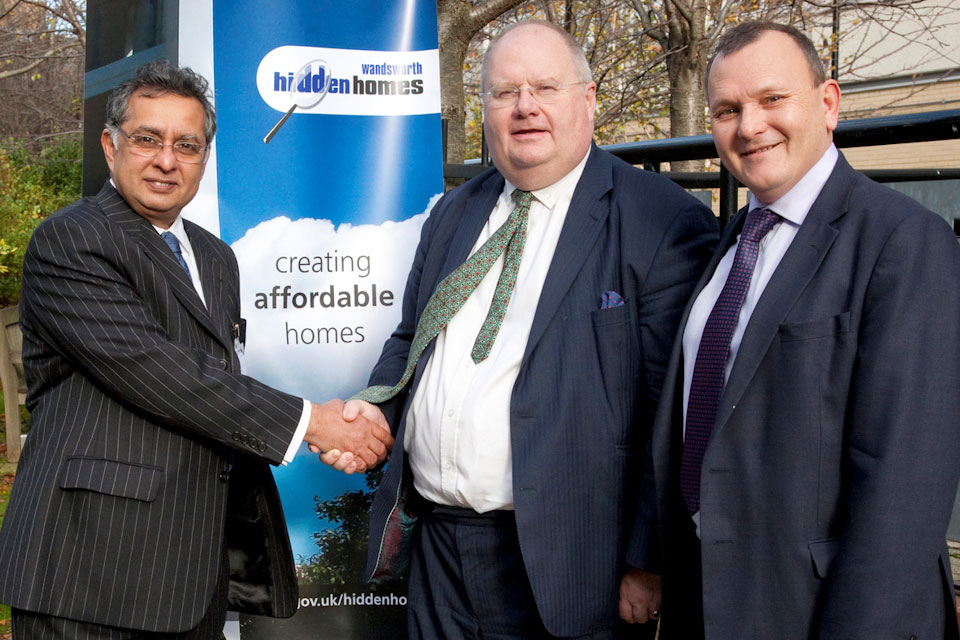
(34, 182)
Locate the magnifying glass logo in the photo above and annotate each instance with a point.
(307, 88)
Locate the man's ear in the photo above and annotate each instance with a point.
(591, 94)
(106, 141)
(830, 91)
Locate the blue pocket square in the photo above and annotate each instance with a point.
(611, 299)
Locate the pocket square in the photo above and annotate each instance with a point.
(609, 299)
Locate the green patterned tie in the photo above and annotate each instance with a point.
(452, 293)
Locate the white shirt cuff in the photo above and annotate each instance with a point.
(298, 434)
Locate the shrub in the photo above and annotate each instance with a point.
(33, 184)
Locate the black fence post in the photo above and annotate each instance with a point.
(443, 137)
(728, 196)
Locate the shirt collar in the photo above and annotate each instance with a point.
(178, 230)
(795, 204)
(550, 195)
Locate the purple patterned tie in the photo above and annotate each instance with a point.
(709, 368)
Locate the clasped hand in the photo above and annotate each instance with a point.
(640, 594)
(352, 436)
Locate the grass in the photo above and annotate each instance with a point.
(6, 481)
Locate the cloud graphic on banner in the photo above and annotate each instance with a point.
(321, 300)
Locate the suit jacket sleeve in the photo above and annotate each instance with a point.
(89, 302)
(903, 441)
(686, 247)
(680, 260)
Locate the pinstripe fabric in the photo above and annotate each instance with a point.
(123, 495)
(468, 581)
(37, 626)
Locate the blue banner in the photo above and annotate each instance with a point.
(324, 217)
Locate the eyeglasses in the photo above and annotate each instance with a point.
(148, 146)
(542, 92)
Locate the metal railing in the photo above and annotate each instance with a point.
(865, 132)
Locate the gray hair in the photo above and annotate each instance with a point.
(155, 79)
(749, 32)
(581, 67)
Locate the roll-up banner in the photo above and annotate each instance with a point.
(327, 160)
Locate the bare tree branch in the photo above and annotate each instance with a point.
(42, 43)
(52, 52)
(10, 10)
(485, 11)
(685, 11)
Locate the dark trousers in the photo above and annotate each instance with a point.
(468, 580)
(28, 625)
(682, 586)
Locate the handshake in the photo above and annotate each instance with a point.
(350, 436)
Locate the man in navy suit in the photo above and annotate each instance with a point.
(512, 494)
(144, 505)
(807, 494)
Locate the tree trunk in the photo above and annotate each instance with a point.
(453, 42)
(686, 63)
(687, 105)
(458, 21)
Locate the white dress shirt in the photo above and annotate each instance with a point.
(458, 426)
(793, 208)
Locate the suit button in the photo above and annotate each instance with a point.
(224, 476)
(224, 364)
(236, 436)
(263, 446)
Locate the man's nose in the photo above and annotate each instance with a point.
(752, 121)
(526, 103)
(165, 158)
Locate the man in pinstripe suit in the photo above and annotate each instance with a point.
(143, 504)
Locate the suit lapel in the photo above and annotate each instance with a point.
(142, 232)
(799, 265)
(476, 213)
(588, 211)
(211, 278)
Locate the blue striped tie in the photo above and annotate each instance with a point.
(174, 245)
